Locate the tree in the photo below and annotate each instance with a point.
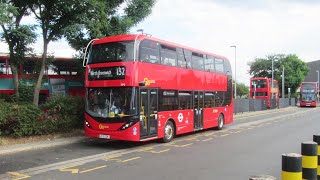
(54, 17)
(17, 36)
(79, 21)
(106, 18)
(295, 69)
(242, 90)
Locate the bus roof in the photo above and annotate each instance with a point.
(140, 37)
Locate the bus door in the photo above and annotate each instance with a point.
(198, 109)
(148, 103)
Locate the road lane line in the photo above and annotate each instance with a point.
(207, 139)
(127, 160)
(71, 169)
(88, 170)
(223, 135)
(21, 176)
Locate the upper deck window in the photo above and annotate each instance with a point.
(197, 61)
(111, 52)
(219, 64)
(209, 64)
(3, 67)
(149, 52)
(168, 55)
(259, 83)
(308, 88)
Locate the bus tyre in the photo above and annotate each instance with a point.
(220, 122)
(168, 132)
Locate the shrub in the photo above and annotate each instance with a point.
(19, 119)
(63, 113)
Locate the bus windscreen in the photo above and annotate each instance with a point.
(111, 52)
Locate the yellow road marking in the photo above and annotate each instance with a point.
(236, 131)
(130, 159)
(224, 135)
(72, 170)
(88, 170)
(21, 176)
(176, 145)
(193, 139)
(185, 145)
(207, 139)
(157, 152)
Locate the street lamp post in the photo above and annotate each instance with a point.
(272, 82)
(235, 70)
(318, 85)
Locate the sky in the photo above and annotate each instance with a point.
(256, 27)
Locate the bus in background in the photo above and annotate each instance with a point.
(308, 94)
(140, 88)
(261, 88)
(62, 76)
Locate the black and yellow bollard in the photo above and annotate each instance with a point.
(291, 167)
(309, 152)
(316, 138)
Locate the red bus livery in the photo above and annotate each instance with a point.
(308, 94)
(140, 88)
(62, 76)
(261, 88)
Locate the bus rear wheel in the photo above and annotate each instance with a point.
(220, 122)
(168, 132)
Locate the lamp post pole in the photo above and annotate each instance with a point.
(235, 70)
(272, 81)
(283, 94)
(318, 86)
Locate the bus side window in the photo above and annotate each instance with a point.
(197, 61)
(168, 100)
(219, 65)
(187, 56)
(209, 99)
(185, 100)
(168, 55)
(209, 64)
(3, 68)
(149, 52)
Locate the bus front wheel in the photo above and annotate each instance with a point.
(220, 122)
(168, 132)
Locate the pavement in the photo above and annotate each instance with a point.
(70, 140)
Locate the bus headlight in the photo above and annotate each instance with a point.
(126, 125)
(87, 124)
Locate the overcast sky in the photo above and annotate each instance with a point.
(257, 27)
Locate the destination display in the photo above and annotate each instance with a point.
(107, 73)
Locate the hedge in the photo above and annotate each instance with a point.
(58, 114)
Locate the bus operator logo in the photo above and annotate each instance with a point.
(147, 82)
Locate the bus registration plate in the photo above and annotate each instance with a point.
(103, 136)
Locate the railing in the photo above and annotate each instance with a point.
(248, 105)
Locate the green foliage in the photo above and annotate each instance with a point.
(242, 90)
(63, 113)
(295, 69)
(19, 119)
(115, 21)
(59, 114)
(6, 11)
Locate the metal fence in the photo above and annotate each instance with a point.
(247, 105)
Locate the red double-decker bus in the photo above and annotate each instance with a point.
(261, 88)
(141, 88)
(308, 94)
(62, 76)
